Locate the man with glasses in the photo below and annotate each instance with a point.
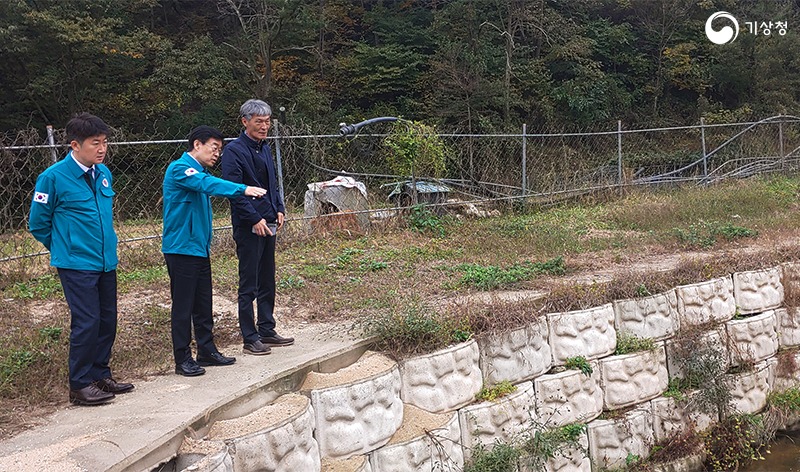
(248, 160)
(186, 245)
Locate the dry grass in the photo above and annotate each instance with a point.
(612, 249)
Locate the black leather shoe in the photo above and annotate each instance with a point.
(215, 359)
(112, 386)
(189, 368)
(90, 395)
(256, 348)
(277, 340)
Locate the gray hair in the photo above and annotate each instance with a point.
(254, 107)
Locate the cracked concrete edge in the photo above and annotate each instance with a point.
(247, 400)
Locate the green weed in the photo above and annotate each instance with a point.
(786, 401)
(545, 444)
(502, 457)
(422, 220)
(346, 257)
(12, 364)
(705, 234)
(675, 390)
(370, 265)
(734, 442)
(41, 288)
(628, 343)
(491, 277)
(413, 329)
(50, 334)
(291, 282)
(579, 363)
(492, 393)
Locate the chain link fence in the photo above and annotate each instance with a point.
(481, 171)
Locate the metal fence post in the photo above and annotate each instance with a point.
(52, 142)
(278, 158)
(703, 140)
(524, 160)
(619, 152)
(780, 140)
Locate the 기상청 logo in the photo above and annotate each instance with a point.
(724, 35)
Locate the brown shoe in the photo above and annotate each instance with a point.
(90, 395)
(112, 386)
(277, 341)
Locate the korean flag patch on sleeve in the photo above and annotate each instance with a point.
(190, 171)
(40, 197)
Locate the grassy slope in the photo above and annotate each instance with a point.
(396, 281)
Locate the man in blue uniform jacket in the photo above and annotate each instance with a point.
(248, 160)
(71, 214)
(186, 245)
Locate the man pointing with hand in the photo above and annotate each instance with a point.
(186, 245)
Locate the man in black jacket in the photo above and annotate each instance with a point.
(248, 160)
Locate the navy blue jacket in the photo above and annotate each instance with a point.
(249, 162)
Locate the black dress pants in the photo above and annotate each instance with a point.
(190, 288)
(256, 282)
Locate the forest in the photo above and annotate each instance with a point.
(154, 68)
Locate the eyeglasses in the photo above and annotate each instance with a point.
(214, 148)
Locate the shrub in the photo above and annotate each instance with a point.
(422, 220)
(502, 457)
(413, 329)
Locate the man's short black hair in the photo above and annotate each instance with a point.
(85, 125)
(203, 133)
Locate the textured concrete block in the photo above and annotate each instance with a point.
(681, 350)
(571, 459)
(568, 397)
(752, 339)
(588, 333)
(787, 371)
(788, 326)
(706, 302)
(276, 437)
(610, 441)
(633, 378)
(672, 417)
(359, 416)
(425, 441)
(215, 458)
(654, 317)
(758, 290)
(751, 389)
(351, 464)
(444, 380)
(502, 419)
(517, 355)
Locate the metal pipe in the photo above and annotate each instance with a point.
(52, 144)
(345, 129)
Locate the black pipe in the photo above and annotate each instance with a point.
(345, 129)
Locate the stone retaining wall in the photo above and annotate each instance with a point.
(358, 425)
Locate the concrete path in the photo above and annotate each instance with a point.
(141, 429)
